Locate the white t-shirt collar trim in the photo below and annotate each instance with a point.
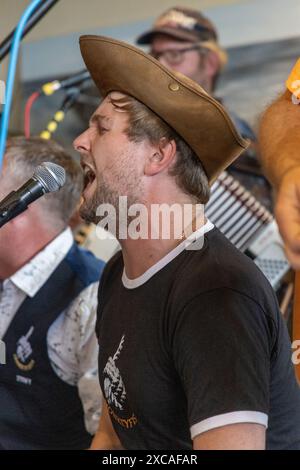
(138, 281)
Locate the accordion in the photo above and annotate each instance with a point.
(248, 225)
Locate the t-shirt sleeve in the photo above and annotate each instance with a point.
(222, 346)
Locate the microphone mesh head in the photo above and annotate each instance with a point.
(50, 175)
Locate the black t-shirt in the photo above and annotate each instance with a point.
(196, 345)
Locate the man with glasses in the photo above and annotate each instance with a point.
(185, 41)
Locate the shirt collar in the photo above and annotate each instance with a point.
(33, 275)
(185, 244)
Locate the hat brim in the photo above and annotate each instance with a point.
(198, 118)
(148, 36)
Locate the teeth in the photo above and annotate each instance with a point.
(88, 170)
(89, 175)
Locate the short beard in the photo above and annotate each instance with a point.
(104, 194)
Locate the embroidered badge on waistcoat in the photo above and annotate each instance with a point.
(23, 352)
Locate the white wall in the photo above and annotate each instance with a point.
(51, 49)
(69, 16)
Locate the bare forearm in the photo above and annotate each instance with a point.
(106, 438)
(102, 441)
(279, 138)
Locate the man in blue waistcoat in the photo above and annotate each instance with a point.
(49, 392)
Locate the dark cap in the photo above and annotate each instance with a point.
(181, 23)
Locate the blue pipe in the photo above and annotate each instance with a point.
(11, 74)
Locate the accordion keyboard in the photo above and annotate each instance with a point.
(248, 225)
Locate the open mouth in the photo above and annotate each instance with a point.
(89, 175)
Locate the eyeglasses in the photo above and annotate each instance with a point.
(174, 56)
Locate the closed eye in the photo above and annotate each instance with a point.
(101, 129)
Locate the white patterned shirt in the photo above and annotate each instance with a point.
(71, 339)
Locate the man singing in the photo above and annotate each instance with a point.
(194, 352)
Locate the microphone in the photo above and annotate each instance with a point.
(47, 178)
(75, 79)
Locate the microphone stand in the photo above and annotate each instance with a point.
(40, 11)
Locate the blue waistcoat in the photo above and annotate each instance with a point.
(38, 410)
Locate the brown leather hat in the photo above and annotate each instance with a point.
(199, 119)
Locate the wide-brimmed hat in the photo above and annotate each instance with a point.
(197, 117)
(186, 24)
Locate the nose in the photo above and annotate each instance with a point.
(82, 142)
(163, 61)
(167, 64)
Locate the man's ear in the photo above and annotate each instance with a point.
(161, 157)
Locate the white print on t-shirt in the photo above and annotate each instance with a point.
(114, 388)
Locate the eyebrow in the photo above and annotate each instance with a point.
(99, 119)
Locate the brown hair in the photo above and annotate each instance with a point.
(24, 155)
(145, 124)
